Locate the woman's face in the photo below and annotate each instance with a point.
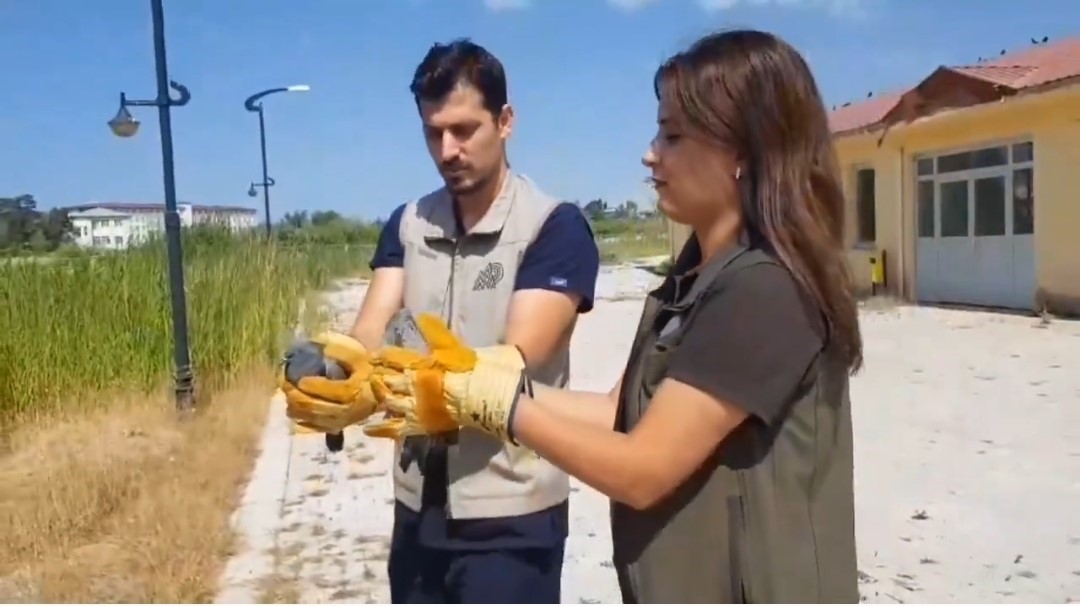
(695, 178)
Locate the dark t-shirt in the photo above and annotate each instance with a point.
(750, 343)
(564, 258)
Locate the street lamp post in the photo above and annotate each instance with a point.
(254, 104)
(124, 125)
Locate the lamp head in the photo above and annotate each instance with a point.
(251, 191)
(124, 124)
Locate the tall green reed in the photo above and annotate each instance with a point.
(78, 325)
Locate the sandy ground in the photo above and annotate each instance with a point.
(967, 481)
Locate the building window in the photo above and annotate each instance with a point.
(1023, 193)
(953, 196)
(969, 160)
(865, 206)
(978, 193)
(926, 209)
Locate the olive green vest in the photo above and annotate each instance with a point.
(770, 516)
(468, 280)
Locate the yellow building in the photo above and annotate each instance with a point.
(943, 179)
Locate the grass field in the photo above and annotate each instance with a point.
(89, 324)
(107, 496)
(624, 241)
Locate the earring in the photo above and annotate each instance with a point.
(738, 172)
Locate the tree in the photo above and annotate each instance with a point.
(24, 228)
(295, 219)
(324, 217)
(56, 227)
(326, 227)
(595, 208)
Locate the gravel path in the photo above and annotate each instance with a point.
(967, 451)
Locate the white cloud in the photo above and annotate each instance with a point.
(717, 5)
(630, 5)
(507, 5)
(838, 8)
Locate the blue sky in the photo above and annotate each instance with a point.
(580, 79)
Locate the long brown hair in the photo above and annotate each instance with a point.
(754, 93)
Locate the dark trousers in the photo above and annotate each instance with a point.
(424, 575)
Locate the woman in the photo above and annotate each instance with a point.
(730, 463)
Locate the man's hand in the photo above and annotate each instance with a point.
(324, 403)
(452, 387)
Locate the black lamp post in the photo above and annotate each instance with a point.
(124, 125)
(253, 104)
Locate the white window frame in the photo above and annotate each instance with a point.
(1006, 170)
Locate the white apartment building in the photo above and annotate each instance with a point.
(117, 225)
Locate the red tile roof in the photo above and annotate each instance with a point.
(1005, 75)
(1035, 66)
(1040, 65)
(853, 116)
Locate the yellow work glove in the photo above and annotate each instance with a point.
(452, 387)
(327, 383)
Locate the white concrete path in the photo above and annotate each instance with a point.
(967, 452)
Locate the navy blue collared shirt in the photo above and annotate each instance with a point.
(563, 258)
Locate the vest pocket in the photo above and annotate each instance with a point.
(654, 368)
(737, 549)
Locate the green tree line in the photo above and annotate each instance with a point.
(24, 229)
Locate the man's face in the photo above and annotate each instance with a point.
(464, 139)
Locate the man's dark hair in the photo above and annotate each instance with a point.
(460, 62)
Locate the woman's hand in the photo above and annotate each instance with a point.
(452, 387)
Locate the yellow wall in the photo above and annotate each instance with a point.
(1050, 119)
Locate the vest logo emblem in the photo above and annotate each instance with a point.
(489, 277)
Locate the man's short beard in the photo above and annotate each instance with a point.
(468, 188)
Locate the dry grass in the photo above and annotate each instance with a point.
(127, 503)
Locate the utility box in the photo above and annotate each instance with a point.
(877, 272)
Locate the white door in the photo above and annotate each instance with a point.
(974, 243)
(928, 279)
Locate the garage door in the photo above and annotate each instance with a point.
(976, 238)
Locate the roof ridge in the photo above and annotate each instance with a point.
(992, 64)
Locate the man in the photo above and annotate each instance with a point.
(500, 261)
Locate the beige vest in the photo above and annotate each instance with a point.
(468, 281)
